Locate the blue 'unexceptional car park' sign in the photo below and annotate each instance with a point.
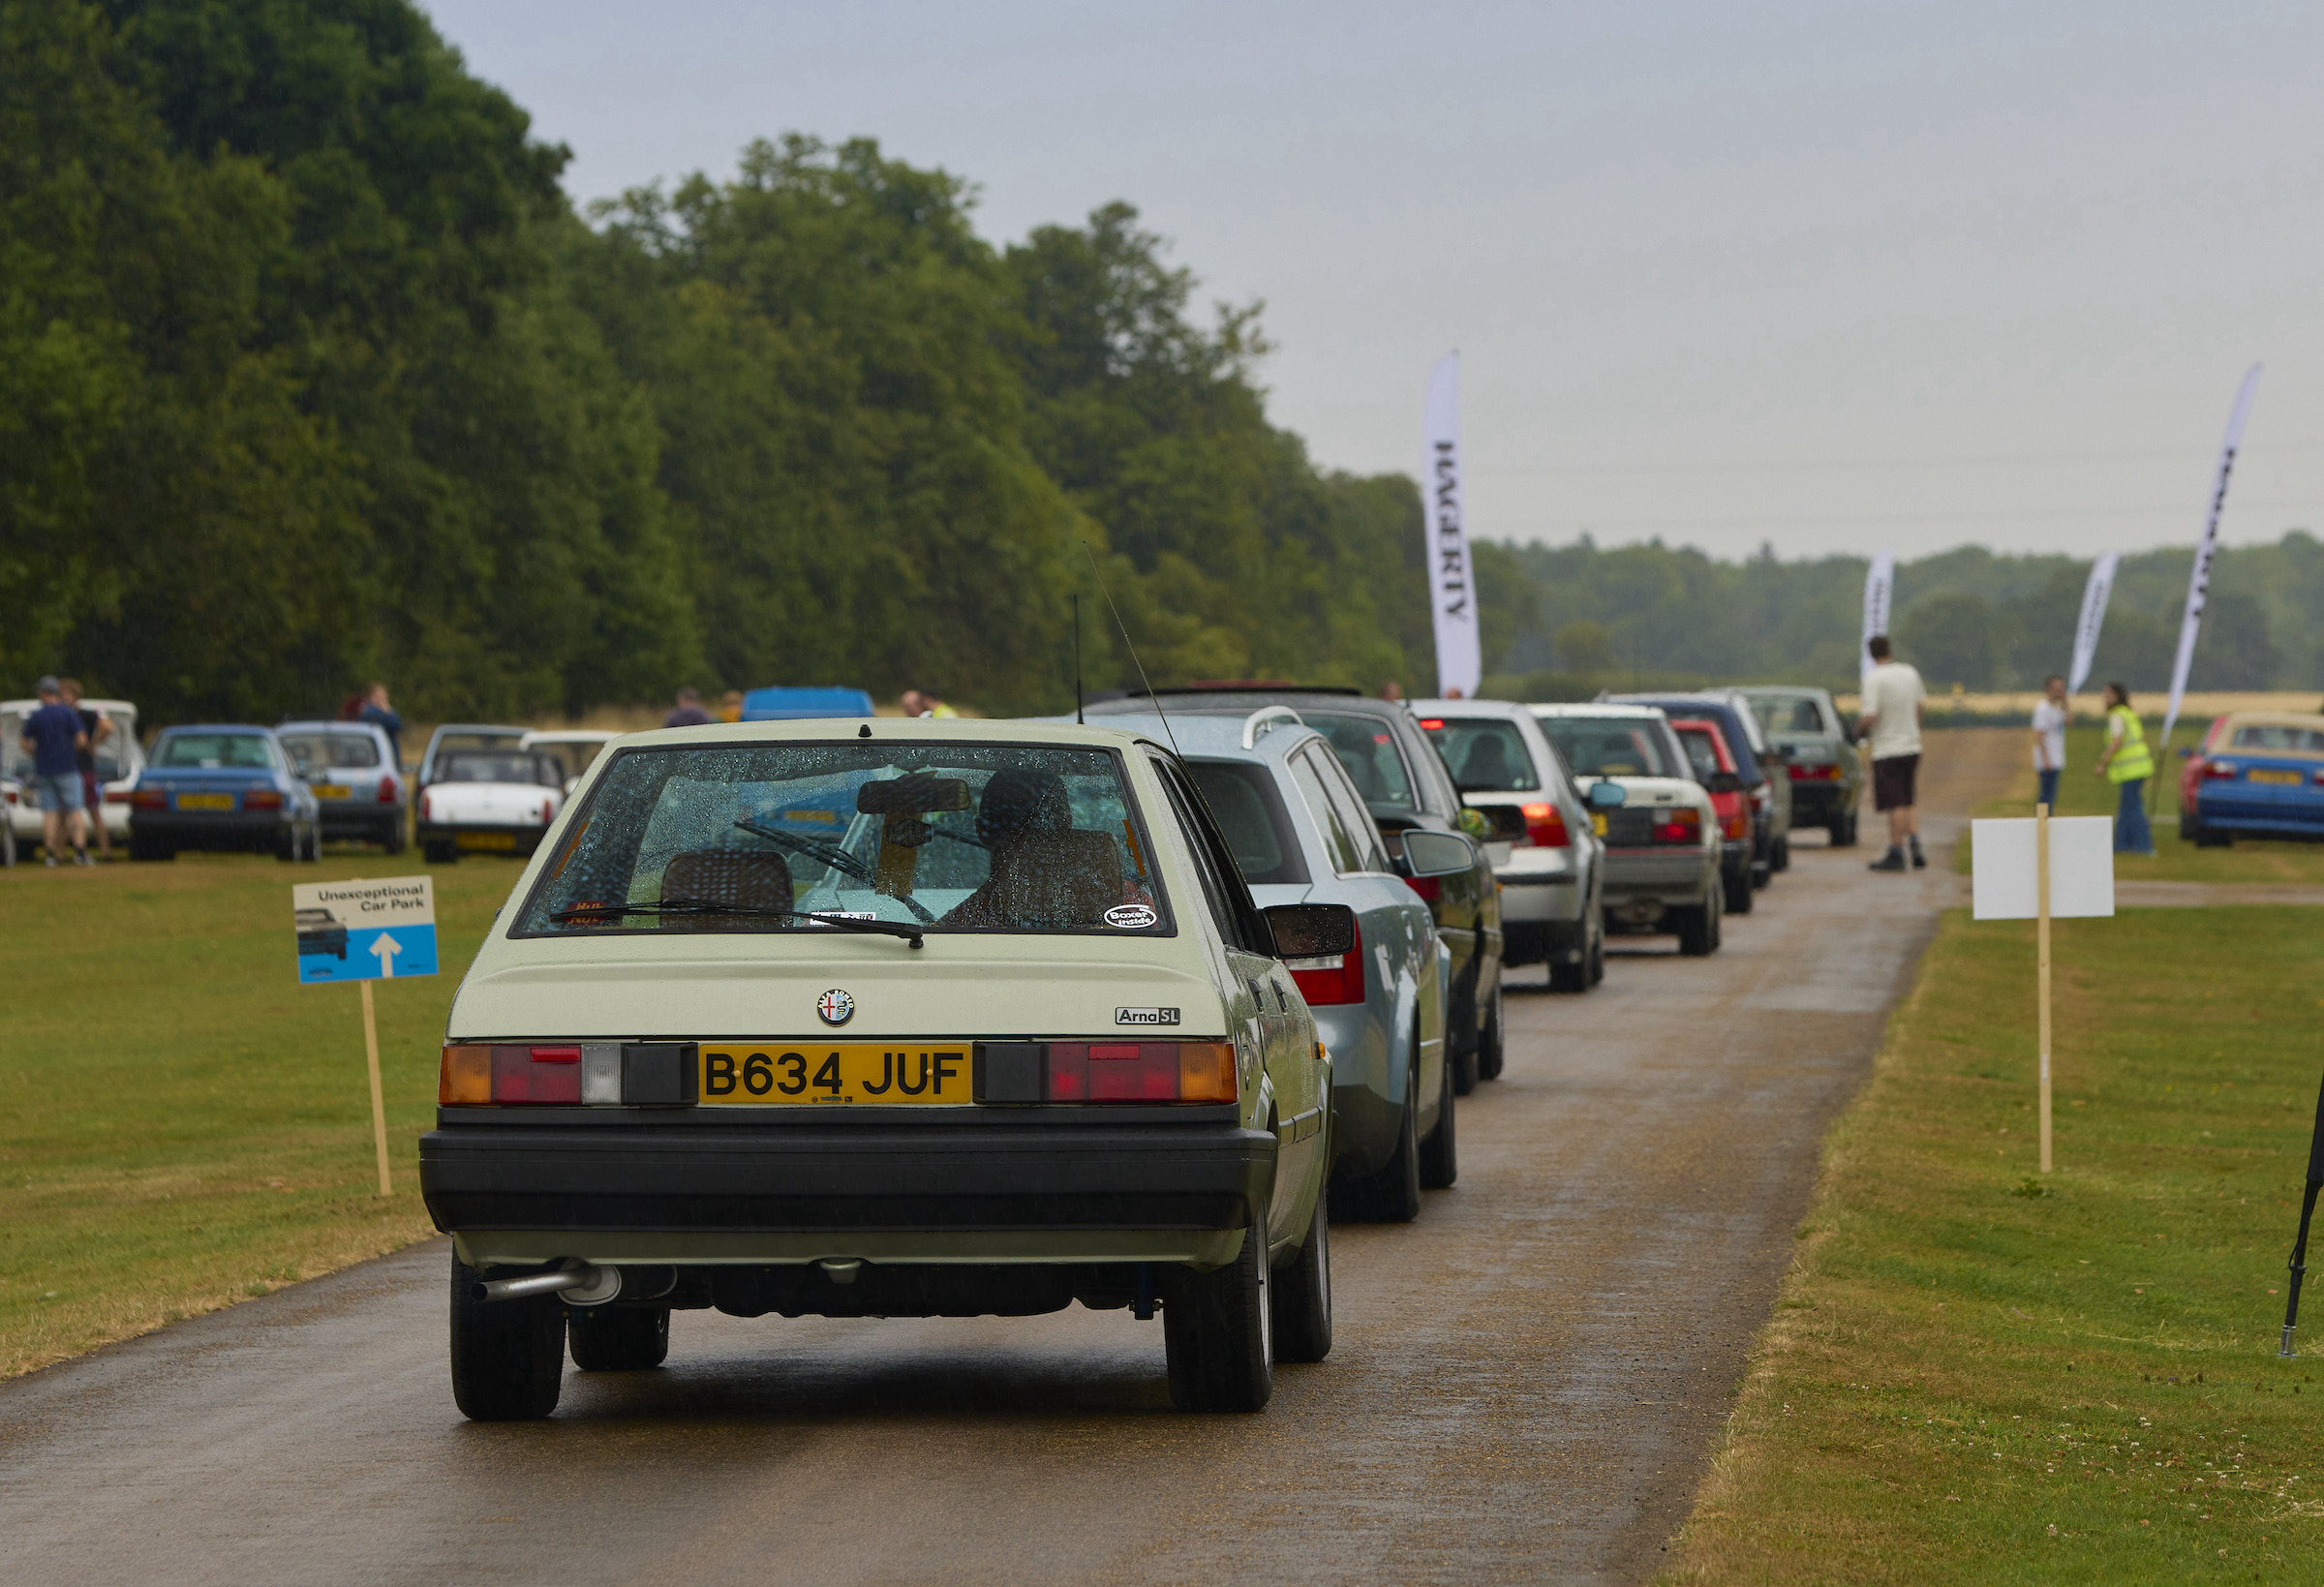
(366, 930)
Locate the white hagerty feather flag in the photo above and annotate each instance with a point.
(1451, 576)
(1879, 580)
(2095, 595)
(2198, 582)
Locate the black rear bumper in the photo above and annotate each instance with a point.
(831, 1175)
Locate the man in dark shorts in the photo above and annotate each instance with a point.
(1890, 721)
(52, 737)
(96, 727)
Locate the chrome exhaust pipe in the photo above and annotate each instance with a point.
(580, 1283)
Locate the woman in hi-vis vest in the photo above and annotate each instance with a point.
(2127, 764)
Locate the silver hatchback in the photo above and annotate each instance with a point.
(352, 768)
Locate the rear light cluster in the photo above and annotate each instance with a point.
(1824, 772)
(148, 799)
(427, 808)
(1137, 1072)
(388, 790)
(1683, 825)
(1734, 823)
(475, 1076)
(2218, 770)
(1545, 827)
(261, 799)
(116, 796)
(1336, 978)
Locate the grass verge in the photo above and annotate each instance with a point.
(187, 1125)
(1974, 1377)
(2081, 791)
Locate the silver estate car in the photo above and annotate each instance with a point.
(1662, 837)
(1301, 834)
(1544, 849)
(361, 790)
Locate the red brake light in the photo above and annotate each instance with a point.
(1813, 774)
(116, 796)
(388, 790)
(1545, 826)
(1139, 1072)
(1680, 826)
(261, 799)
(473, 1075)
(1424, 886)
(1432, 724)
(1336, 979)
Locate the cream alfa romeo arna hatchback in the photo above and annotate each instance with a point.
(906, 1019)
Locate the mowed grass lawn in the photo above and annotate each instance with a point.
(186, 1124)
(1972, 1377)
(2081, 791)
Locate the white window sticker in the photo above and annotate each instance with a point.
(1132, 917)
(1146, 1016)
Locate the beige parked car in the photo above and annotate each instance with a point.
(923, 1018)
(1660, 830)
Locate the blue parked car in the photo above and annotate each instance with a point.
(2259, 774)
(224, 786)
(1301, 834)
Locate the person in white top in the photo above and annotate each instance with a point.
(1891, 721)
(2049, 740)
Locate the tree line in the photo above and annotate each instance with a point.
(310, 372)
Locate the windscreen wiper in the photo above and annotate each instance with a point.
(584, 912)
(836, 857)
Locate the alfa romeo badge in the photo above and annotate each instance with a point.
(836, 1007)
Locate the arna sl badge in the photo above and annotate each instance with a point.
(835, 1007)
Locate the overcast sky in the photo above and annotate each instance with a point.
(1832, 276)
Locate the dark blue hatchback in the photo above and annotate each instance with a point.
(222, 786)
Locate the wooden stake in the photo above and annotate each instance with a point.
(378, 1106)
(2041, 936)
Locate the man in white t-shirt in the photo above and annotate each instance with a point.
(2049, 740)
(1891, 721)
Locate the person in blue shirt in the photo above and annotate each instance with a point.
(382, 716)
(54, 738)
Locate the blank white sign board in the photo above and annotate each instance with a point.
(2081, 868)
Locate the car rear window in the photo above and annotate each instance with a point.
(1486, 755)
(1702, 752)
(235, 752)
(499, 766)
(1797, 714)
(1367, 749)
(2272, 736)
(1612, 746)
(952, 837)
(346, 752)
(1249, 811)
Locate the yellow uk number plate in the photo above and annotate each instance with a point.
(205, 801)
(333, 790)
(778, 1074)
(1598, 822)
(485, 839)
(2260, 773)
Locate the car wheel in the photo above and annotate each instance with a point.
(1574, 977)
(1440, 1150)
(1737, 886)
(1783, 854)
(617, 1338)
(1597, 951)
(1699, 928)
(289, 848)
(1302, 1294)
(391, 838)
(440, 853)
(1392, 1194)
(1218, 1333)
(1843, 831)
(1491, 1049)
(508, 1355)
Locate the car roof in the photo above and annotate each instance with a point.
(1794, 691)
(907, 730)
(514, 732)
(569, 735)
(1200, 734)
(1511, 709)
(219, 728)
(361, 729)
(1599, 708)
(1243, 701)
(2276, 718)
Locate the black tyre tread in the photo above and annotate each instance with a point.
(508, 1355)
(1492, 1049)
(1302, 1291)
(617, 1338)
(1440, 1148)
(1215, 1332)
(1739, 895)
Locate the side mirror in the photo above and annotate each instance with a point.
(1605, 794)
(1311, 930)
(1720, 783)
(1438, 853)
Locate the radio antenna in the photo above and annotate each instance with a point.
(1078, 719)
(1133, 650)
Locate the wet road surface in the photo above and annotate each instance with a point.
(1526, 1383)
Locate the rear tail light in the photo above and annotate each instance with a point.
(261, 799)
(1432, 724)
(2218, 770)
(1137, 1072)
(1678, 826)
(1545, 826)
(116, 796)
(388, 790)
(148, 799)
(427, 809)
(1812, 773)
(1335, 979)
(1734, 823)
(548, 811)
(2319, 777)
(474, 1077)
(1424, 886)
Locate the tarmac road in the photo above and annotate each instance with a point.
(1527, 1384)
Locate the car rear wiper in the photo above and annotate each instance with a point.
(706, 906)
(832, 855)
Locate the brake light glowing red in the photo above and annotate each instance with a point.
(1432, 724)
(1545, 826)
(1678, 826)
(1336, 979)
(1139, 1072)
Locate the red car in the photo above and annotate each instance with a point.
(1714, 766)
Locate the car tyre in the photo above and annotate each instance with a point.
(391, 838)
(1574, 977)
(1737, 886)
(438, 852)
(1598, 947)
(1302, 1294)
(1700, 928)
(1218, 1333)
(1491, 1049)
(1783, 854)
(1843, 831)
(1440, 1150)
(617, 1338)
(1392, 1194)
(508, 1355)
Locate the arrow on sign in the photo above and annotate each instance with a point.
(387, 948)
